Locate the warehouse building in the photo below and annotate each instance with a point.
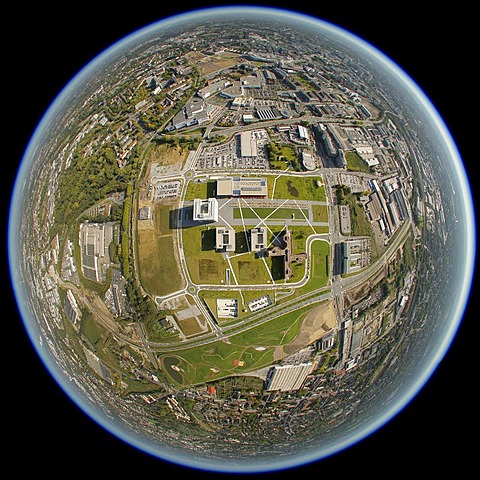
(213, 88)
(95, 239)
(286, 378)
(71, 308)
(248, 145)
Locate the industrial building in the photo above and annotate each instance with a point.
(367, 154)
(71, 308)
(387, 205)
(258, 239)
(352, 255)
(302, 132)
(242, 187)
(248, 145)
(269, 77)
(195, 112)
(95, 239)
(286, 378)
(224, 239)
(213, 88)
(251, 81)
(205, 210)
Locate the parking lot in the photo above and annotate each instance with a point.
(228, 155)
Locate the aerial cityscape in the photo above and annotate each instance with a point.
(231, 234)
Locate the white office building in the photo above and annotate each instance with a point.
(258, 239)
(225, 239)
(205, 210)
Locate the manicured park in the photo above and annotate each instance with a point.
(246, 351)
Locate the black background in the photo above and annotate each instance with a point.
(42, 427)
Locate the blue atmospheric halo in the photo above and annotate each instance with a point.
(464, 203)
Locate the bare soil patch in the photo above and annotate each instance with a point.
(317, 322)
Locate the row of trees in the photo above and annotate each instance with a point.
(124, 232)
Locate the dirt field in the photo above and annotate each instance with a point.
(212, 63)
(159, 270)
(316, 324)
(190, 327)
(168, 155)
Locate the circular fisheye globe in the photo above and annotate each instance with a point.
(241, 239)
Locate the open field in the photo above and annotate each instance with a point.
(315, 324)
(320, 252)
(158, 268)
(320, 213)
(299, 188)
(355, 163)
(204, 264)
(247, 351)
(165, 154)
(159, 272)
(211, 63)
(162, 214)
(190, 327)
(281, 213)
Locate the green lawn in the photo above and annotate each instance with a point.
(299, 188)
(320, 213)
(246, 351)
(279, 331)
(204, 264)
(249, 270)
(299, 238)
(219, 359)
(204, 189)
(281, 152)
(89, 328)
(211, 296)
(320, 254)
(355, 162)
(272, 213)
(158, 266)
